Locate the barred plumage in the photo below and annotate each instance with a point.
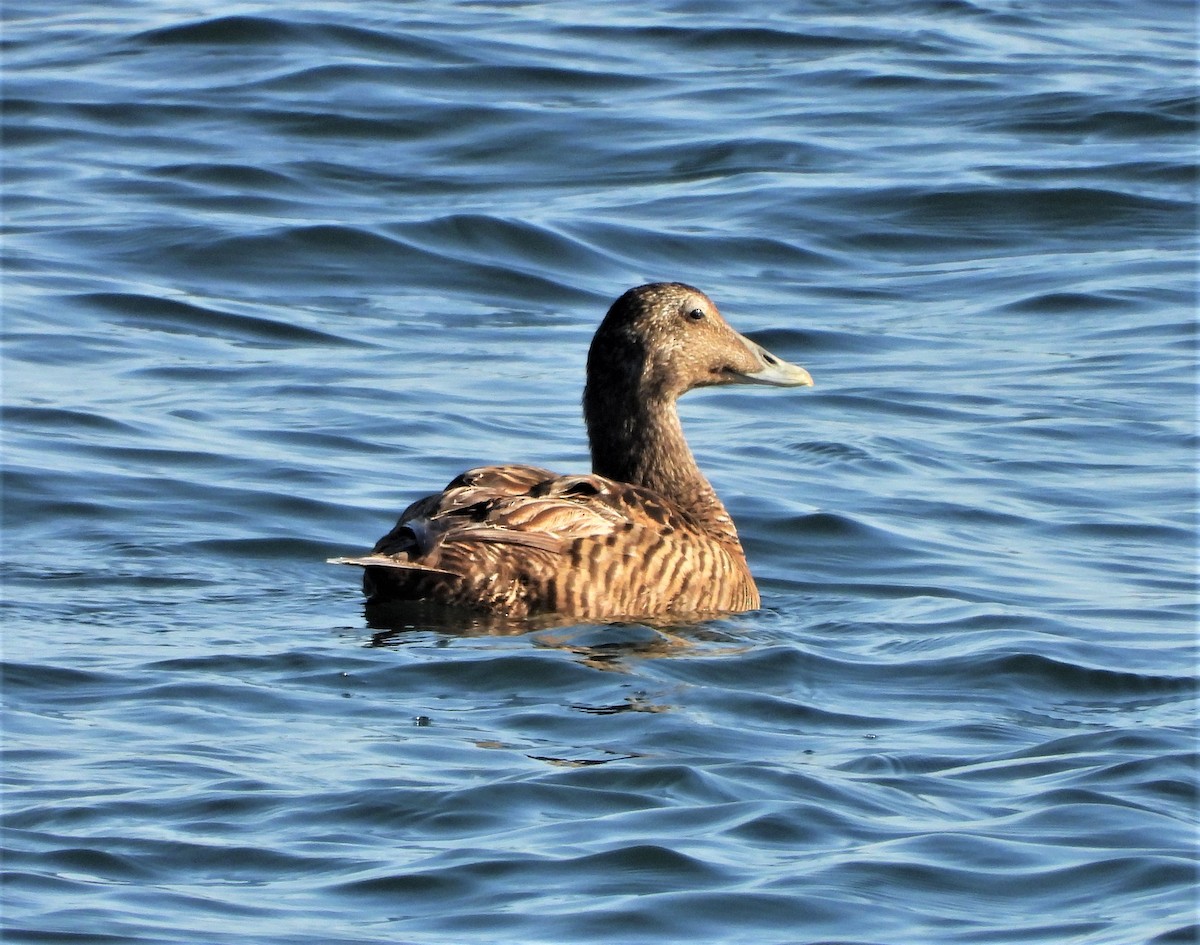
(643, 535)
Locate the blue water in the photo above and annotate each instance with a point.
(271, 275)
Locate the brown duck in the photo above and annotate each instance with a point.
(643, 535)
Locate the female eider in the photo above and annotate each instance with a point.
(643, 535)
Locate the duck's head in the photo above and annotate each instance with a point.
(663, 339)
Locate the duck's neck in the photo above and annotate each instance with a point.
(641, 442)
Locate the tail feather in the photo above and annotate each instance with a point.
(383, 561)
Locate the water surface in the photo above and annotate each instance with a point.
(271, 275)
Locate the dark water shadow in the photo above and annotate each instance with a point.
(602, 645)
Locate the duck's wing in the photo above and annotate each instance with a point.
(505, 527)
(513, 504)
(519, 505)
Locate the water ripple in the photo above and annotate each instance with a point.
(269, 276)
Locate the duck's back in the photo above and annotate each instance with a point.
(521, 541)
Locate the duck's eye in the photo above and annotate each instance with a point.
(696, 315)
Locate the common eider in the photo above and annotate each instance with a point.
(643, 535)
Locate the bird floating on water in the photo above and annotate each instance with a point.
(643, 535)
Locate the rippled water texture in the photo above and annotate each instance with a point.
(271, 275)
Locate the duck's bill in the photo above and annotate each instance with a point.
(772, 370)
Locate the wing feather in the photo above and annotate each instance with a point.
(522, 539)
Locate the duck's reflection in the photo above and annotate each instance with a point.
(608, 646)
(618, 647)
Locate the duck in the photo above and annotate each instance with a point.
(643, 536)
